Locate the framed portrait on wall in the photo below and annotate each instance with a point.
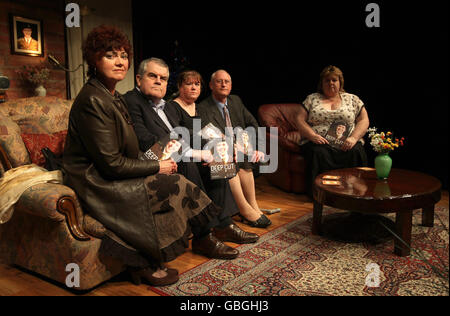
(26, 36)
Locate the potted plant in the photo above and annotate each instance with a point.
(383, 144)
(37, 76)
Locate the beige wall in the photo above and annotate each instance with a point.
(100, 12)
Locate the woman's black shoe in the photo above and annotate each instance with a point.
(261, 222)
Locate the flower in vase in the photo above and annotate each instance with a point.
(36, 75)
(384, 142)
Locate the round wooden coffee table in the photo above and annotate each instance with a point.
(358, 189)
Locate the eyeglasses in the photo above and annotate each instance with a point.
(222, 81)
(114, 55)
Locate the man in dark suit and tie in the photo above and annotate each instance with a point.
(153, 122)
(225, 110)
(27, 42)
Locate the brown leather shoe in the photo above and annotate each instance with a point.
(233, 233)
(211, 247)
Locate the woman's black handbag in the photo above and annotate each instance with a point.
(52, 162)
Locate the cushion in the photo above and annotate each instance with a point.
(12, 142)
(35, 142)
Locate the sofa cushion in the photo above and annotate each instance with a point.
(12, 143)
(36, 142)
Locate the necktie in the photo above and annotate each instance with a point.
(227, 117)
(228, 124)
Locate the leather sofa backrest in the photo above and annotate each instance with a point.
(281, 115)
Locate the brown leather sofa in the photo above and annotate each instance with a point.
(290, 175)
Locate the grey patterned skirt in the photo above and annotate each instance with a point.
(179, 207)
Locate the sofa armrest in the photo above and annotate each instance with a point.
(67, 205)
(56, 202)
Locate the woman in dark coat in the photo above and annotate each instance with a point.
(148, 210)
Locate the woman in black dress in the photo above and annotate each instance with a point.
(190, 85)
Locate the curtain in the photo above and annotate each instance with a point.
(99, 12)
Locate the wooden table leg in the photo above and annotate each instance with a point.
(428, 216)
(403, 225)
(317, 218)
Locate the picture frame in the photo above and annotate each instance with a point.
(27, 36)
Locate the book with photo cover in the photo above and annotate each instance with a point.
(211, 132)
(337, 134)
(162, 150)
(223, 166)
(244, 143)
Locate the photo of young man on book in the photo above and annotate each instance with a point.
(337, 134)
(165, 149)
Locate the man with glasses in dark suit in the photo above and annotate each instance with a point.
(227, 111)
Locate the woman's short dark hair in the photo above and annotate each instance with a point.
(185, 75)
(102, 39)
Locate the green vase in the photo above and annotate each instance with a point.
(383, 165)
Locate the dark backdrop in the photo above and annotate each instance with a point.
(275, 51)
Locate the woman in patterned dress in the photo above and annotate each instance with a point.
(318, 113)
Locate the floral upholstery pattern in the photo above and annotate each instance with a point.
(37, 237)
(47, 247)
(40, 200)
(2, 170)
(38, 115)
(12, 142)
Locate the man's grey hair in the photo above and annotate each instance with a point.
(143, 65)
(215, 73)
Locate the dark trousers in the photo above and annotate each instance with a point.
(323, 158)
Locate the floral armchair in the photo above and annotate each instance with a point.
(48, 229)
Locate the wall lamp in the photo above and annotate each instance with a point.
(54, 61)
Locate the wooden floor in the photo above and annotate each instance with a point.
(14, 281)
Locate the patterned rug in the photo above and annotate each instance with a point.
(290, 261)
